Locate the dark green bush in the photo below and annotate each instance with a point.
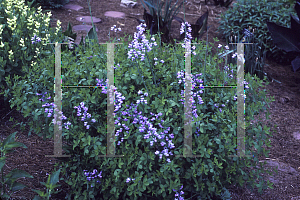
(255, 14)
(215, 129)
(49, 4)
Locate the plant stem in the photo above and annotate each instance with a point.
(151, 69)
(142, 77)
(2, 177)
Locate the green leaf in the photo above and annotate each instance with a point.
(2, 162)
(117, 171)
(52, 187)
(89, 140)
(17, 186)
(9, 139)
(28, 58)
(46, 184)
(5, 196)
(133, 76)
(13, 145)
(16, 173)
(201, 129)
(120, 163)
(37, 197)
(54, 177)
(138, 140)
(92, 34)
(93, 99)
(86, 151)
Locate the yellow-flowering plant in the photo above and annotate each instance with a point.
(21, 27)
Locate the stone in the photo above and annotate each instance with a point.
(83, 28)
(72, 7)
(282, 167)
(295, 198)
(114, 14)
(284, 100)
(297, 135)
(128, 4)
(87, 19)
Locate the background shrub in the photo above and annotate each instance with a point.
(254, 14)
(46, 4)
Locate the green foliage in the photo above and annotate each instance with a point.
(10, 178)
(291, 2)
(157, 21)
(46, 4)
(288, 39)
(19, 24)
(50, 185)
(203, 176)
(223, 3)
(255, 14)
(197, 29)
(40, 78)
(254, 62)
(156, 7)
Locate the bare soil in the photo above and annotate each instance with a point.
(285, 87)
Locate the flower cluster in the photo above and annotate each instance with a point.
(85, 114)
(247, 33)
(35, 39)
(179, 195)
(129, 179)
(92, 176)
(49, 112)
(189, 36)
(1, 30)
(113, 28)
(140, 46)
(162, 61)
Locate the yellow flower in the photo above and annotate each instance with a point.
(2, 45)
(25, 13)
(37, 52)
(58, 27)
(47, 20)
(39, 10)
(1, 29)
(12, 23)
(33, 63)
(46, 39)
(29, 21)
(35, 21)
(22, 42)
(11, 54)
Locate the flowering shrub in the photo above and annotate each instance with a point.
(150, 132)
